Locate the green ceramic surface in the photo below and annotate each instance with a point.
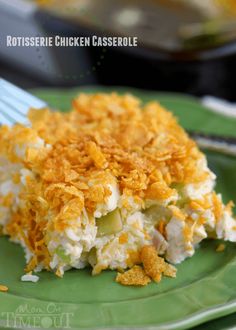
(204, 289)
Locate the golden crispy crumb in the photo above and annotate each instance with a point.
(161, 227)
(134, 276)
(3, 288)
(96, 155)
(123, 238)
(229, 207)
(153, 265)
(170, 270)
(217, 206)
(133, 258)
(58, 273)
(220, 247)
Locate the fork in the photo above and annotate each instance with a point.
(15, 104)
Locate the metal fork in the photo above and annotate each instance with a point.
(15, 104)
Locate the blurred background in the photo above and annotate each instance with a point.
(186, 46)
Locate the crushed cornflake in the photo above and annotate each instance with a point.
(154, 265)
(135, 276)
(170, 270)
(3, 288)
(153, 269)
(220, 247)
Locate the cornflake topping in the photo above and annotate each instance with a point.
(135, 276)
(3, 288)
(153, 269)
(220, 247)
(154, 265)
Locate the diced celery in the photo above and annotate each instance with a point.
(177, 186)
(109, 224)
(182, 200)
(157, 212)
(61, 253)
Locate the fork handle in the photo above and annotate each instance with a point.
(223, 144)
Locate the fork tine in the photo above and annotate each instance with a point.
(8, 111)
(23, 96)
(4, 120)
(17, 105)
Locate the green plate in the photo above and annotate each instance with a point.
(203, 290)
